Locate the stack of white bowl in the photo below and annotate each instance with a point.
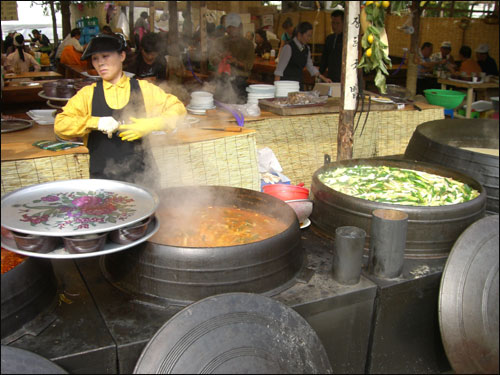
(200, 102)
(256, 92)
(284, 87)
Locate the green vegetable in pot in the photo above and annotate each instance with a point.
(398, 186)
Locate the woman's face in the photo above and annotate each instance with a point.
(258, 39)
(109, 65)
(306, 37)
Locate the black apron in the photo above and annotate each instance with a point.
(112, 158)
(298, 60)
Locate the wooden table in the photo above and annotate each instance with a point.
(22, 93)
(40, 75)
(470, 90)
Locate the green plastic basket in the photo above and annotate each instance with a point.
(448, 99)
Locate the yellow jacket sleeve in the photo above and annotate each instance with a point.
(76, 119)
(160, 105)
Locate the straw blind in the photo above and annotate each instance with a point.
(300, 142)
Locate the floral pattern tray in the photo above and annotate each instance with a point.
(76, 207)
(61, 253)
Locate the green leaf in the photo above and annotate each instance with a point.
(383, 69)
(380, 81)
(364, 41)
(373, 30)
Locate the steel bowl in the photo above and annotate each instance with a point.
(65, 91)
(130, 233)
(85, 244)
(302, 207)
(50, 89)
(38, 244)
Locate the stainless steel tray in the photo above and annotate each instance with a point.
(8, 126)
(61, 253)
(76, 207)
(42, 95)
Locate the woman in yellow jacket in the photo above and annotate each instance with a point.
(117, 103)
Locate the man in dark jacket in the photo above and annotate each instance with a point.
(332, 54)
(485, 61)
(148, 63)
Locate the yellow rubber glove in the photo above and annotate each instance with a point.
(143, 126)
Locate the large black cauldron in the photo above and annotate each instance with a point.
(442, 142)
(432, 231)
(186, 274)
(27, 290)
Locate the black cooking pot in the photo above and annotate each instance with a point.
(187, 274)
(443, 141)
(432, 231)
(27, 290)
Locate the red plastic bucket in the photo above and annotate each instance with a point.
(286, 192)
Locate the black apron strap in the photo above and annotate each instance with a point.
(112, 158)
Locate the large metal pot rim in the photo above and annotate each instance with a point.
(408, 164)
(426, 128)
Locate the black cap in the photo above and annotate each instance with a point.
(104, 43)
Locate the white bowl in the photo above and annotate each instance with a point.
(261, 87)
(201, 94)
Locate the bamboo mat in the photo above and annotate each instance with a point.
(20, 173)
(301, 142)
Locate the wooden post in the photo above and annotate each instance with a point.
(174, 63)
(131, 22)
(349, 80)
(54, 24)
(189, 24)
(203, 38)
(411, 74)
(152, 11)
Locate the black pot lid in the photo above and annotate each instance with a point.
(468, 300)
(20, 361)
(235, 333)
(76, 207)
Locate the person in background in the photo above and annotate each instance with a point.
(41, 41)
(141, 27)
(296, 55)
(251, 37)
(70, 56)
(147, 63)
(106, 29)
(425, 68)
(19, 61)
(444, 55)
(233, 55)
(263, 45)
(485, 61)
(97, 110)
(220, 30)
(331, 58)
(287, 35)
(72, 39)
(467, 65)
(8, 44)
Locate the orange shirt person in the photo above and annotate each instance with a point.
(70, 56)
(468, 65)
